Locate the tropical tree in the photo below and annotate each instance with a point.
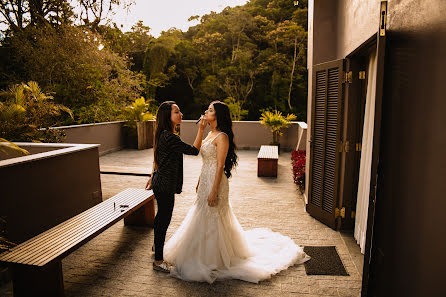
(18, 14)
(237, 113)
(93, 81)
(28, 112)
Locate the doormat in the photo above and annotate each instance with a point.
(324, 261)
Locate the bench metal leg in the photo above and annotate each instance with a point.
(38, 281)
(144, 216)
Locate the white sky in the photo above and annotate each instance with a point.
(161, 15)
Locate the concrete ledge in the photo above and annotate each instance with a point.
(249, 134)
(109, 135)
(40, 151)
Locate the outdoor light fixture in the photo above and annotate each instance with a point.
(296, 3)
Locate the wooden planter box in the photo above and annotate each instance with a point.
(267, 160)
(145, 134)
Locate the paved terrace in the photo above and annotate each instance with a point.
(119, 261)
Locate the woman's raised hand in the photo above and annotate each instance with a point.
(202, 123)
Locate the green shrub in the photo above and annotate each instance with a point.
(28, 112)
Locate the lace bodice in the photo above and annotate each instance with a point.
(208, 153)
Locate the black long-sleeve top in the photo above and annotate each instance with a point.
(168, 177)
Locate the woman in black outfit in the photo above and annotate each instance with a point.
(167, 176)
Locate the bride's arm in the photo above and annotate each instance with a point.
(222, 144)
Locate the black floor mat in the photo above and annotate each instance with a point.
(324, 261)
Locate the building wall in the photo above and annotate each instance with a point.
(409, 234)
(247, 134)
(408, 257)
(356, 21)
(335, 29)
(109, 135)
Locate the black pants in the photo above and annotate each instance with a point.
(165, 202)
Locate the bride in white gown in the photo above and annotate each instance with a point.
(210, 244)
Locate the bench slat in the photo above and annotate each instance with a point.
(67, 242)
(79, 220)
(77, 236)
(35, 241)
(67, 238)
(268, 152)
(77, 231)
(60, 240)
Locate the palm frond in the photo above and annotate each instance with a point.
(6, 146)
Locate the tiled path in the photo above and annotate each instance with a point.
(119, 262)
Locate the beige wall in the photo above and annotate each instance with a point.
(108, 134)
(247, 134)
(324, 29)
(356, 21)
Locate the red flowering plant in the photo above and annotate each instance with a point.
(298, 162)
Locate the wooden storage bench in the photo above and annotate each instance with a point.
(36, 264)
(267, 161)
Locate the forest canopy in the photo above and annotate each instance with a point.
(253, 57)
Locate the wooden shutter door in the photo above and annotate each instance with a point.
(325, 138)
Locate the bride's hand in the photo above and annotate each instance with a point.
(212, 199)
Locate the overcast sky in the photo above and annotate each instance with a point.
(161, 15)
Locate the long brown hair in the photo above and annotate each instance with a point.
(163, 122)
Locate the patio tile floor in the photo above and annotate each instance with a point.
(119, 261)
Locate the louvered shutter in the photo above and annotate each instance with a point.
(325, 139)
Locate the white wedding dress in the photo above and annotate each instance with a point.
(210, 244)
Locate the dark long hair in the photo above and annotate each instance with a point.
(163, 122)
(224, 124)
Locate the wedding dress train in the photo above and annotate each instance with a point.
(210, 244)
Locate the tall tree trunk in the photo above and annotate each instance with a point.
(292, 73)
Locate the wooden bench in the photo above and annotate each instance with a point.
(36, 263)
(267, 161)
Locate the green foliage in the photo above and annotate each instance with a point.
(70, 61)
(131, 44)
(237, 113)
(27, 112)
(254, 54)
(7, 147)
(138, 111)
(276, 121)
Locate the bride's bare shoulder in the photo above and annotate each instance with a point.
(222, 138)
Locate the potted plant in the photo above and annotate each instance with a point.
(276, 121)
(139, 127)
